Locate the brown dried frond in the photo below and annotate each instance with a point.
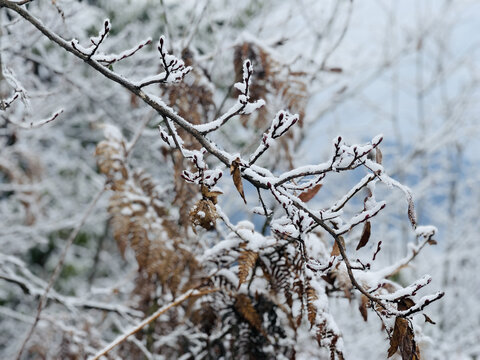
(23, 168)
(284, 271)
(246, 261)
(244, 306)
(111, 155)
(120, 226)
(311, 307)
(139, 219)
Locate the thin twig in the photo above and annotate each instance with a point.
(59, 267)
(138, 133)
(249, 174)
(148, 320)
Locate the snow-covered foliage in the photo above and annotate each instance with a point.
(185, 199)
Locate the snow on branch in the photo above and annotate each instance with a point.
(5, 103)
(362, 217)
(109, 59)
(39, 123)
(290, 249)
(282, 122)
(361, 185)
(19, 90)
(174, 68)
(243, 106)
(96, 41)
(105, 59)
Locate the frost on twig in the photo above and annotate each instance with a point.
(91, 52)
(269, 285)
(174, 68)
(282, 122)
(21, 93)
(39, 123)
(95, 41)
(243, 106)
(18, 90)
(109, 59)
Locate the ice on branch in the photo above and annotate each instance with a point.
(174, 68)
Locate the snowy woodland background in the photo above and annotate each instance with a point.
(113, 210)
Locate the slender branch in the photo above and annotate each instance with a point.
(148, 320)
(253, 175)
(138, 133)
(69, 302)
(343, 252)
(161, 108)
(59, 267)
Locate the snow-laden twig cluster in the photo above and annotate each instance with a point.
(295, 246)
(174, 68)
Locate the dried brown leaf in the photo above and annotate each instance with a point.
(308, 195)
(399, 333)
(210, 195)
(403, 338)
(237, 177)
(363, 307)
(432, 242)
(365, 235)
(203, 214)
(427, 319)
(335, 249)
(405, 304)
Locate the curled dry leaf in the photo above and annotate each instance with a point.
(365, 235)
(210, 195)
(308, 195)
(403, 338)
(427, 319)
(203, 214)
(237, 177)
